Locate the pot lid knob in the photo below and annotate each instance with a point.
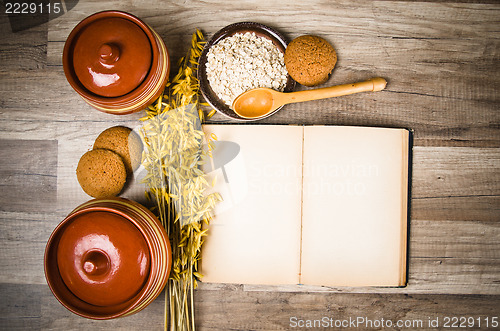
(109, 53)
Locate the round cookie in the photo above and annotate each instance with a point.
(310, 60)
(101, 173)
(124, 142)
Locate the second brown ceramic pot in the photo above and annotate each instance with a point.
(108, 258)
(116, 62)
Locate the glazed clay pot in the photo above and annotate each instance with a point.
(116, 62)
(108, 258)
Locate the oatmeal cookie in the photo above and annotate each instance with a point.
(124, 142)
(310, 60)
(101, 173)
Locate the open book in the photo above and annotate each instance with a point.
(316, 205)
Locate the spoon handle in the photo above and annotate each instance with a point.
(374, 84)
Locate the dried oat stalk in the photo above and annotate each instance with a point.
(173, 156)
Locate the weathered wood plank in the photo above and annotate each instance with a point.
(29, 45)
(28, 95)
(467, 208)
(234, 308)
(56, 317)
(455, 239)
(22, 261)
(33, 307)
(458, 120)
(343, 15)
(64, 130)
(452, 1)
(23, 236)
(461, 275)
(27, 174)
(455, 172)
(20, 307)
(230, 310)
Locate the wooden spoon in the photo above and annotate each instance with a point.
(261, 101)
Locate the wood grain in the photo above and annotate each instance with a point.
(26, 167)
(470, 208)
(234, 308)
(441, 62)
(55, 317)
(455, 172)
(23, 238)
(17, 298)
(42, 312)
(29, 45)
(256, 311)
(373, 109)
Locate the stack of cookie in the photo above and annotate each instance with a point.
(103, 171)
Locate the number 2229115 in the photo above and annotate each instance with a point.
(32, 8)
(464, 322)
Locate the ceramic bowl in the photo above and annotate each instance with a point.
(116, 62)
(242, 27)
(108, 258)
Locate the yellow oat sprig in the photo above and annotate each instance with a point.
(173, 156)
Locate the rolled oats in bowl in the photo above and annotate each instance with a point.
(242, 62)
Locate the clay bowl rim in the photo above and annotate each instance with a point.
(141, 88)
(129, 305)
(241, 27)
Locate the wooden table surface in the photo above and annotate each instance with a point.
(441, 60)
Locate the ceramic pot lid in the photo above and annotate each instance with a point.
(103, 258)
(111, 56)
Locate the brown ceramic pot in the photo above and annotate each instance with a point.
(108, 258)
(116, 62)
